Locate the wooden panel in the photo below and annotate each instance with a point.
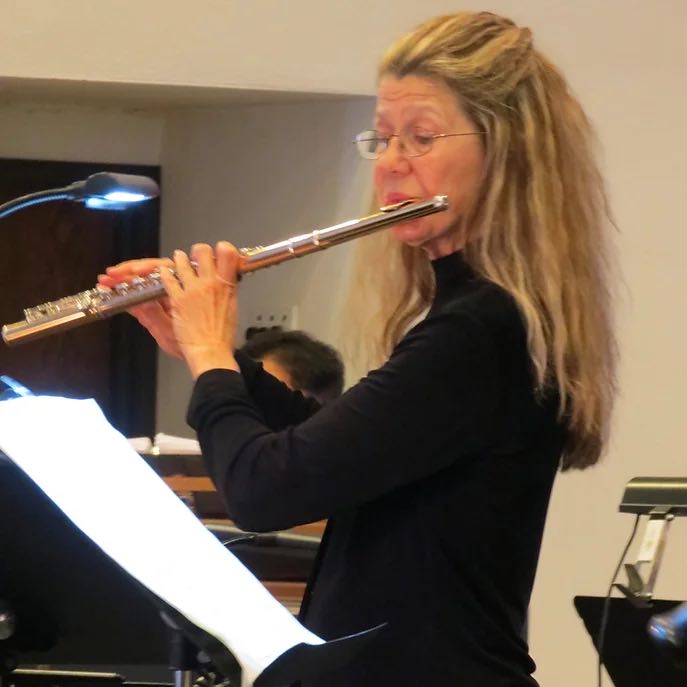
(179, 483)
(290, 594)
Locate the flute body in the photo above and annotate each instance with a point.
(100, 302)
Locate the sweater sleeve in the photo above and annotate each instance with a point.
(280, 406)
(425, 408)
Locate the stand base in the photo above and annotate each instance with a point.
(26, 677)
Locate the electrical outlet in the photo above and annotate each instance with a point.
(266, 317)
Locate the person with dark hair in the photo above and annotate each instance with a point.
(300, 361)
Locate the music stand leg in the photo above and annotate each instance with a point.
(182, 657)
(182, 678)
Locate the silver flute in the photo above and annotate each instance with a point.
(102, 302)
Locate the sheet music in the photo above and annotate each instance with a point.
(106, 489)
(140, 444)
(166, 443)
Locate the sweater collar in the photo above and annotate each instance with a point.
(450, 272)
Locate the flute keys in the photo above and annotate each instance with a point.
(101, 294)
(104, 290)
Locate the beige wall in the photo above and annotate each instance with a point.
(299, 45)
(248, 174)
(45, 130)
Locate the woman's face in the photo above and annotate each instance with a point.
(453, 166)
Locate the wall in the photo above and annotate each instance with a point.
(300, 45)
(45, 130)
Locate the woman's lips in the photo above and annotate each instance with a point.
(392, 198)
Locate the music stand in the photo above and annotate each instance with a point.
(276, 557)
(75, 606)
(630, 657)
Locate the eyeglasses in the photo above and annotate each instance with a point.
(371, 145)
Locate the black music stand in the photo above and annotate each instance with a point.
(75, 606)
(630, 657)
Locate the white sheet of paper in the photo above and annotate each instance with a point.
(167, 443)
(140, 444)
(106, 489)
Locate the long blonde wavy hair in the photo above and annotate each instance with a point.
(539, 227)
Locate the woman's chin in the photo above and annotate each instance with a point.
(409, 233)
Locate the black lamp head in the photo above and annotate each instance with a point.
(112, 191)
(644, 495)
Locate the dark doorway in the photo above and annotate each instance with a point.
(58, 249)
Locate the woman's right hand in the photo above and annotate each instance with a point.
(153, 315)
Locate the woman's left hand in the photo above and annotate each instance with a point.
(203, 305)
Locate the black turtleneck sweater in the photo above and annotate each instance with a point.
(435, 472)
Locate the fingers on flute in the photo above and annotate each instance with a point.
(105, 280)
(202, 254)
(228, 260)
(171, 282)
(130, 269)
(183, 268)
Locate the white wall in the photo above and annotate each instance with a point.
(298, 45)
(628, 63)
(230, 174)
(78, 133)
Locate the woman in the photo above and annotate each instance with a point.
(436, 469)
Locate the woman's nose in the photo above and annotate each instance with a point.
(394, 159)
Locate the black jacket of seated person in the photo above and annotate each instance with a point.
(435, 472)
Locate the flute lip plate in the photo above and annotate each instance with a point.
(401, 204)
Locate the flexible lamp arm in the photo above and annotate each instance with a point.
(32, 199)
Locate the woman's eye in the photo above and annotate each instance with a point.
(423, 138)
